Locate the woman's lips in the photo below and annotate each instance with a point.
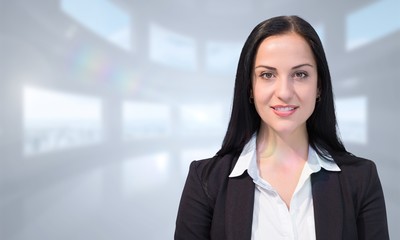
(284, 110)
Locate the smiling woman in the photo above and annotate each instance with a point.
(282, 170)
(284, 84)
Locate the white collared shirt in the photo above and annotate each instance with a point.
(271, 217)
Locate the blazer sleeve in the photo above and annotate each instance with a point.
(195, 213)
(372, 220)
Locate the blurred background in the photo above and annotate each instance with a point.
(104, 103)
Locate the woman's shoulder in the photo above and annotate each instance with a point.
(214, 166)
(354, 166)
(212, 173)
(351, 160)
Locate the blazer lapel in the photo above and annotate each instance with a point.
(239, 207)
(328, 205)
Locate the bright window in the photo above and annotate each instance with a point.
(222, 57)
(372, 22)
(102, 17)
(56, 120)
(172, 49)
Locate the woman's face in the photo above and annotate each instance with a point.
(285, 83)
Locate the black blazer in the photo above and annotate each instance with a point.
(348, 204)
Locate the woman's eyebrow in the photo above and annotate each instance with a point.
(265, 66)
(302, 65)
(274, 69)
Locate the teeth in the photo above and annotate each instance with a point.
(284, 109)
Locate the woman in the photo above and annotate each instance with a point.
(282, 171)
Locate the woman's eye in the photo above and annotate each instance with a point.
(267, 75)
(300, 75)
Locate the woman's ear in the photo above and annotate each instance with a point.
(318, 95)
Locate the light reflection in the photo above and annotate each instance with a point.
(352, 116)
(76, 199)
(201, 119)
(95, 67)
(350, 83)
(145, 120)
(55, 120)
(145, 173)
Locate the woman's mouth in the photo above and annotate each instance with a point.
(284, 111)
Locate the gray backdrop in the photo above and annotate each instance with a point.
(103, 104)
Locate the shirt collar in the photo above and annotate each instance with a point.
(247, 156)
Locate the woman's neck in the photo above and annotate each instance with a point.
(280, 148)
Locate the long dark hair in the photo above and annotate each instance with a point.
(245, 121)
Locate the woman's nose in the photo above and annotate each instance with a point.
(284, 89)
